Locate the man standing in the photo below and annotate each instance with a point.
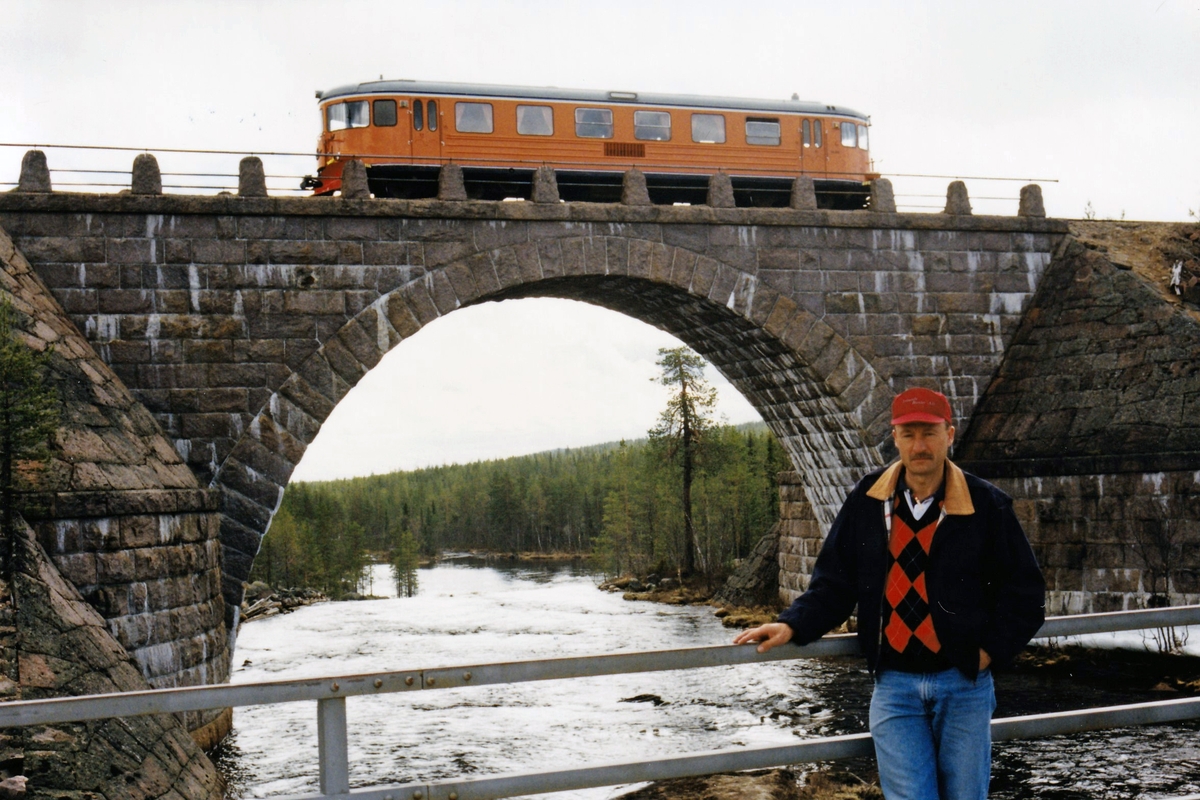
(946, 585)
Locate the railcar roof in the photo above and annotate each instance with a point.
(590, 96)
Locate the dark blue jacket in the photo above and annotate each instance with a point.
(985, 588)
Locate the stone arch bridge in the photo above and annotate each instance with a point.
(240, 322)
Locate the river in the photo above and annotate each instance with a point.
(467, 613)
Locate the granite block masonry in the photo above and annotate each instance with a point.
(240, 322)
(59, 646)
(122, 517)
(1093, 426)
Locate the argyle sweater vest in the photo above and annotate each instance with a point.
(910, 643)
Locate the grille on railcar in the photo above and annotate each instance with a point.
(624, 150)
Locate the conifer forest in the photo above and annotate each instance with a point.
(691, 499)
(618, 503)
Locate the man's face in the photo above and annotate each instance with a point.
(923, 446)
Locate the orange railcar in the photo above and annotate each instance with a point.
(405, 130)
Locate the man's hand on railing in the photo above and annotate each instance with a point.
(771, 635)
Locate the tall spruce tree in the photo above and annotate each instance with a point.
(405, 560)
(29, 413)
(681, 428)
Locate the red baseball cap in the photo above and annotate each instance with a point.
(920, 405)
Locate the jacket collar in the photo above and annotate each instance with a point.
(958, 496)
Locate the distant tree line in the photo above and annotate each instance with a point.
(620, 502)
(692, 498)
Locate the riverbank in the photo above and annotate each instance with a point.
(1161, 674)
(532, 557)
(771, 784)
(260, 601)
(690, 592)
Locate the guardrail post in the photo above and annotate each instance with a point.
(331, 745)
(35, 173)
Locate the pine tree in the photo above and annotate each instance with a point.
(616, 545)
(405, 558)
(29, 411)
(681, 428)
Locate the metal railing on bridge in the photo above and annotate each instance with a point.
(93, 168)
(330, 695)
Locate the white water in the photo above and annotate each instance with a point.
(466, 615)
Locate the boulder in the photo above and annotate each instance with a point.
(756, 580)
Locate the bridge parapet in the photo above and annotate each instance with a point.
(240, 322)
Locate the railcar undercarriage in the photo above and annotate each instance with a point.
(599, 186)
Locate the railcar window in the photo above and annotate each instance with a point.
(862, 136)
(816, 133)
(418, 116)
(652, 126)
(708, 128)
(348, 115)
(385, 113)
(806, 133)
(762, 132)
(594, 123)
(535, 120)
(473, 117)
(849, 135)
(432, 108)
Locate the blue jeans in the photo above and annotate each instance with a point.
(932, 733)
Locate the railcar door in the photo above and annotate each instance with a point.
(426, 131)
(814, 158)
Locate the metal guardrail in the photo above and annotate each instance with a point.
(605, 164)
(331, 693)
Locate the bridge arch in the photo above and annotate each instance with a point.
(823, 399)
(239, 322)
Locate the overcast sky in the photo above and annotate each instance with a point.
(1097, 100)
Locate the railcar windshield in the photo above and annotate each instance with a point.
(862, 136)
(849, 135)
(354, 114)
